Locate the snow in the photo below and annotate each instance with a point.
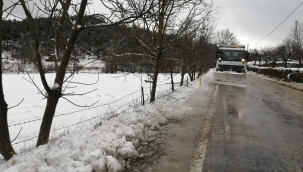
(288, 76)
(89, 64)
(55, 86)
(87, 146)
(278, 68)
(298, 86)
(251, 64)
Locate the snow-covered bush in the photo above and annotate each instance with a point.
(286, 74)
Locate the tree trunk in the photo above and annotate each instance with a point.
(154, 85)
(159, 44)
(285, 63)
(48, 116)
(6, 148)
(172, 80)
(182, 77)
(54, 94)
(274, 64)
(190, 76)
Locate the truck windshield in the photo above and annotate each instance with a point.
(232, 55)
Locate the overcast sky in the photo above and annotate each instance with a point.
(252, 20)
(249, 20)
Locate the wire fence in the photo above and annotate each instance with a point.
(135, 102)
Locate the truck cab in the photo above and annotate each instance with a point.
(231, 65)
(231, 58)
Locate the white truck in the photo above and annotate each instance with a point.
(231, 65)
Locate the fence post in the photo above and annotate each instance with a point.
(142, 96)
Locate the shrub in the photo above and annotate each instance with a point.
(278, 73)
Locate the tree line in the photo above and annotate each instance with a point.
(291, 48)
(135, 35)
(111, 44)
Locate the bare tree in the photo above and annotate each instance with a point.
(288, 51)
(285, 50)
(226, 37)
(58, 13)
(255, 56)
(296, 37)
(265, 51)
(270, 54)
(200, 56)
(164, 25)
(6, 149)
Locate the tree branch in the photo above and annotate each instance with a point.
(17, 135)
(17, 104)
(79, 105)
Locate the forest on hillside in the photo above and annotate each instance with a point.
(117, 46)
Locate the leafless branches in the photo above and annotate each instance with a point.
(80, 105)
(31, 80)
(226, 37)
(9, 10)
(17, 135)
(16, 105)
(81, 83)
(82, 94)
(120, 12)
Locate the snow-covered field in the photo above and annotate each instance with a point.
(84, 147)
(108, 91)
(89, 64)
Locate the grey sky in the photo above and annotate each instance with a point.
(251, 20)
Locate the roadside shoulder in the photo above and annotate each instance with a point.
(181, 138)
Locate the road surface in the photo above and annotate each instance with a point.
(257, 128)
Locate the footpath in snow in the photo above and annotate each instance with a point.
(110, 145)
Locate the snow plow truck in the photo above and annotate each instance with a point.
(231, 65)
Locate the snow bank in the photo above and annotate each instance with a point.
(115, 93)
(105, 147)
(284, 74)
(277, 68)
(298, 86)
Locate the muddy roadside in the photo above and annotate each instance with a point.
(174, 149)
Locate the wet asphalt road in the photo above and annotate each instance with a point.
(257, 128)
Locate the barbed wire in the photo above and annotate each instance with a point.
(64, 114)
(25, 122)
(161, 94)
(112, 112)
(81, 110)
(92, 117)
(105, 104)
(25, 140)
